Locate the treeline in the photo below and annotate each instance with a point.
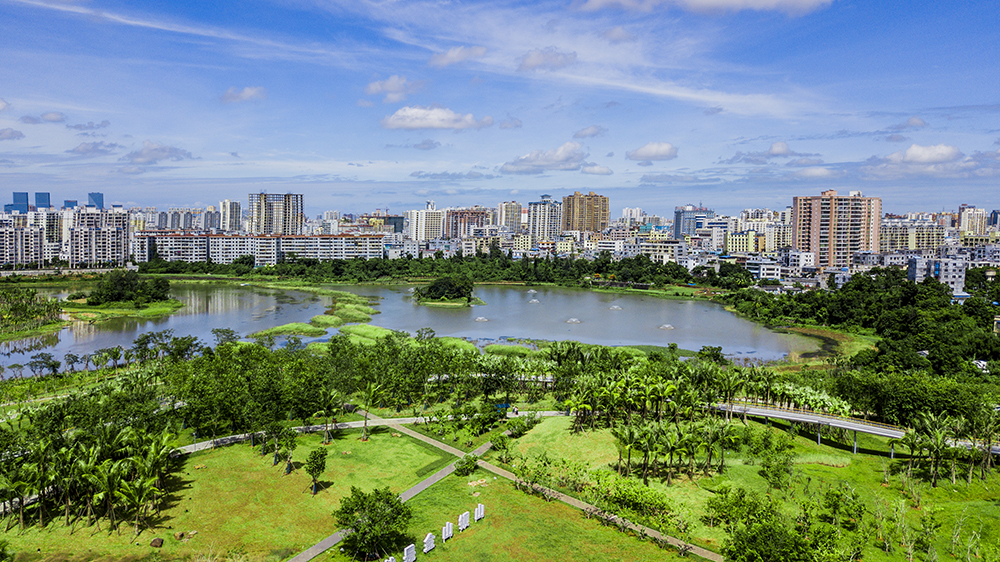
(121, 285)
(24, 309)
(919, 326)
(493, 266)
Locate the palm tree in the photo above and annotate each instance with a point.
(649, 436)
(371, 394)
(137, 495)
(914, 442)
(331, 403)
(670, 445)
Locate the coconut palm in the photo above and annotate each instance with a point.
(371, 394)
(331, 403)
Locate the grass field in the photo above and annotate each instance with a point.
(242, 505)
(292, 329)
(80, 311)
(817, 467)
(517, 527)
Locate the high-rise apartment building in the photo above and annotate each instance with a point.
(276, 213)
(835, 227)
(458, 223)
(972, 219)
(509, 216)
(544, 218)
(230, 216)
(425, 224)
(689, 218)
(905, 234)
(585, 213)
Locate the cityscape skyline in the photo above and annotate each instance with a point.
(358, 105)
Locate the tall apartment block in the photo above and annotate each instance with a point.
(509, 216)
(425, 224)
(689, 218)
(589, 212)
(544, 218)
(276, 214)
(834, 227)
(459, 223)
(231, 216)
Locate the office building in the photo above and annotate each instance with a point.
(20, 204)
(835, 227)
(42, 201)
(95, 199)
(544, 219)
(276, 213)
(585, 213)
(70, 204)
(689, 218)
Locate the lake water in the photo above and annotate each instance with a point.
(548, 313)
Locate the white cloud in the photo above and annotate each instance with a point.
(805, 162)
(153, 152)
(10, 134)
(896, 138)
(365, 103)
(780, 148)
(99, 148)
(248, 93)
(395, 88)
(510, 123)
(917, 154)
(675, 178)
(787, 6)
(456, 55)
(30, 120)
(546, 59)
(596, 170)
(416, 117)
(618, 35)
(591, 131)
(131, 170)
(53, 117)
(653, 151)
(911, 123)
(451, 176)
(3, 104)
(816, 173)
(567, 157)
(90, 126)
(427, 144)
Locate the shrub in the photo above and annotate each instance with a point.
(466, 465)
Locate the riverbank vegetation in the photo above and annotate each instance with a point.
(493, 266)
(23, 312)
(645, 439)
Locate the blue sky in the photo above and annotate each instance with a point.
(374, 104)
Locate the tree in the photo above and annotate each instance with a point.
(377, 521)
(372, 393)
(315, 466)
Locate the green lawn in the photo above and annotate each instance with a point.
(817, 467)
(518, 527)
(239, 503)
(292, 329)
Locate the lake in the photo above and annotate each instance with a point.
(547, 313)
